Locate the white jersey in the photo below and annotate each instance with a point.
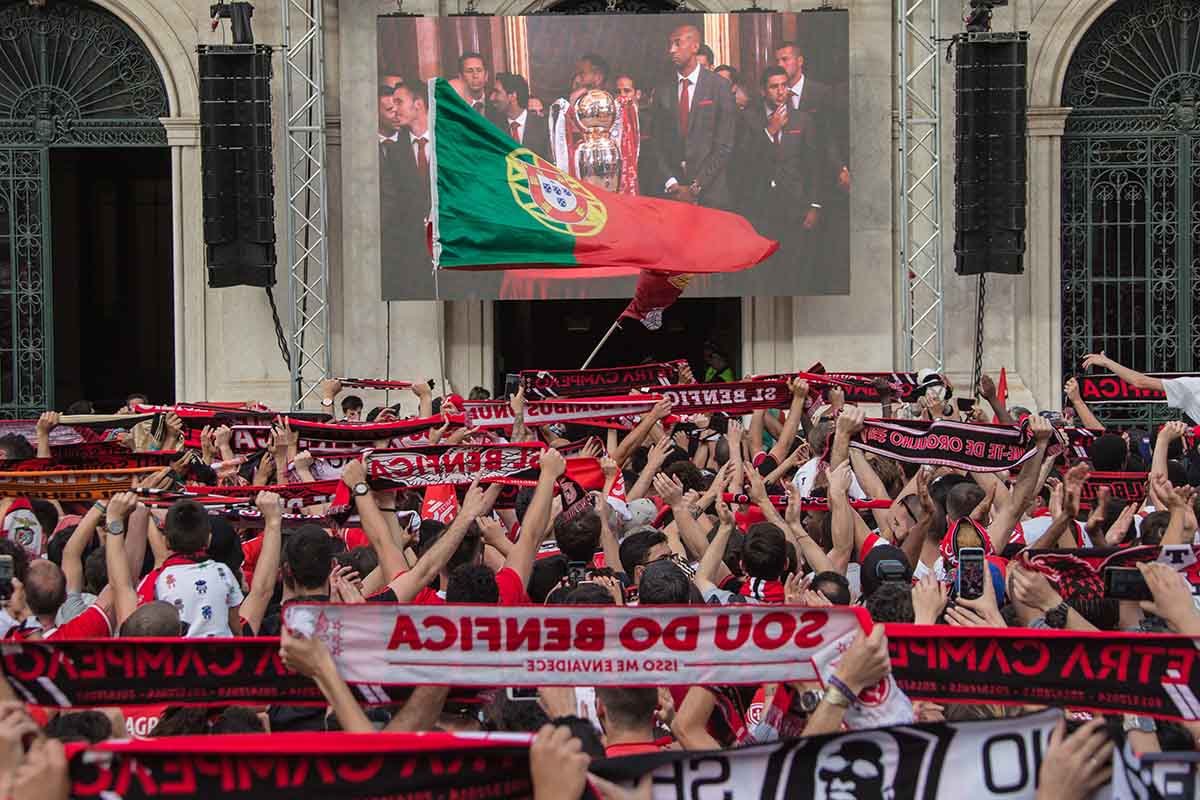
(202, 591)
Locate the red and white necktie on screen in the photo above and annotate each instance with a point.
(422, 156)
(684, 106)
(514, 130)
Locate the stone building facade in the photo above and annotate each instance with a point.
(224, 342)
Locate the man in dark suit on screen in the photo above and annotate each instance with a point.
(404, 189)
(805, 94)
(694, 126)
(510, 113)
(790, 181)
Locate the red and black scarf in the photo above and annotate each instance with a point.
(962, 445)
(542, 384)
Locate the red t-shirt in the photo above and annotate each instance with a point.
(629, 749)
(512, 590)
(870, 542)
(93, 623)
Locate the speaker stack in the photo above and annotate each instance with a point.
(990, 163)
(237, 164)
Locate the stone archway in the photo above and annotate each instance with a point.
(1057, 32)
(71, 75)
(1130, 244)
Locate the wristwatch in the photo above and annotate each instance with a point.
(809, 700)
(327, 402)
(1057, 616)
(115, 527)
(361, 488)
(1133, 722)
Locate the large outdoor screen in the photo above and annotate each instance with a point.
(760, 128)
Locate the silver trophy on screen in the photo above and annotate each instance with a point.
(599, 157)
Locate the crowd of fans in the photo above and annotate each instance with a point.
(119, 568)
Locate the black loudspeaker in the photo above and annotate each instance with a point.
(989, 152)
(235, 159)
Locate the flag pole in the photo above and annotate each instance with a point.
(615, 325)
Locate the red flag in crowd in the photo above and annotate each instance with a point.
(1001, 393)
(656, 292)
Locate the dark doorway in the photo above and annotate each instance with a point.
(113, 275)
(559, 334)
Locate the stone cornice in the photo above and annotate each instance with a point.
(1047, 121)
(182, 131)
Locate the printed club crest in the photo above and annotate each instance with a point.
(552, 197)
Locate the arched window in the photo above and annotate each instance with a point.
(1131, 193)
(71, 75)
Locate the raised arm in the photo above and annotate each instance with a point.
(72, 556)
(635, 438)
(1007, 516)
(1082, 410)
(712, 570)
(537, 516)
(266, 569)
(735, 434)
(987, 390)
(330, 388)
(1179, 503)
(46, 423)
(757, 424)
(391, 559)
(120, 582)
(1158, 464)
(816, 558)
(424, 398)
(421, 711)
(520, 432)
(477, 502)
(1130, 376)
(871, 483)
(849, 422)
(310, 658)
(654, 461)
(791, 425)
(671, 491)
(842, 517)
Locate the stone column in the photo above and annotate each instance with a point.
(190, 278)
(1039, 292)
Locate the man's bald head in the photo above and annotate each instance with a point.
(159, 618)
(682, 46)
(45, 588)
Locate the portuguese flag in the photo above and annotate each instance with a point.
(496, 205)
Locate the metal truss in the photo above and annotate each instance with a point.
(307, 196)
(918, 32)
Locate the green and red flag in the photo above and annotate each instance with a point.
(497, 205)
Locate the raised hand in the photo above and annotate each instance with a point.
(669, 489)
(48, 421)
(1077, 764)
(929, 596)
(552, 463)
(270, 505)
(354, 473)
(850, 421)
(1100, 359)
(840, 479)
